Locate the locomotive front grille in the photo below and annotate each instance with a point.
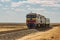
(31, 25)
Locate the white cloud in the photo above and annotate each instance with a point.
(5, 0)
(12, 8)
(0, 4)
(5, 8)
(19, 10)
(50, 4)
(41, 2)
(38, 10)
(15, 4)
(46, 2)
(2, 0)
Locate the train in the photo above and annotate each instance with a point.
(34, 21)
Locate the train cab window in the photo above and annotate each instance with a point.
(28, 16)
(33, 16)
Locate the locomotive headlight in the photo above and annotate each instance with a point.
(33, 18)
(27, 18)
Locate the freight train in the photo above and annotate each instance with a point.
(34, 20)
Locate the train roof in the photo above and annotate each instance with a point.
(31, 13)
(35, 14)
(39, 15)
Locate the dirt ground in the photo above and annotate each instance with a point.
(51, 34)
(12, 28)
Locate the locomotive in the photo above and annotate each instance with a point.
(34, 20)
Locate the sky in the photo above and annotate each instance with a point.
(14, 11)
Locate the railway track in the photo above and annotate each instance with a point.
(12, 35)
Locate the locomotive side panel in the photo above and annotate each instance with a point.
(47, 22)
(43, 19)
(38, 20)
(43, 22)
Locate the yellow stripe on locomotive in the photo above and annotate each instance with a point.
(30, 18)
(27, 18)
(33, 18)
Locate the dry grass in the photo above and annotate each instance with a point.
(55, 24)
(12, 26)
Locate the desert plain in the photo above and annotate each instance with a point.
(34, 34)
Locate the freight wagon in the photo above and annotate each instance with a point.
(34, 20)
